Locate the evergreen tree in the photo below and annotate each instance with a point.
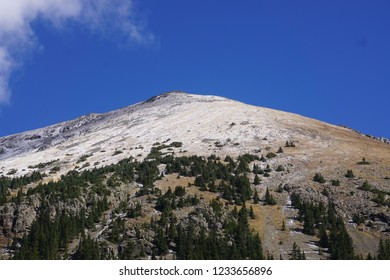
(251, 213)
(308, 226)
(324, 240)
(296, 253)
(335, 183)
(87, 250)
(319, 178)
(160, 241)
(283, 226)
(341, 246)
(269, 199)
(256, 198)
(384, 250)
(256, 180)
(350, 174)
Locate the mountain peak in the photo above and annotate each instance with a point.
(180, 97)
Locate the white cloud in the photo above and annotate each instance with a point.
(5, 69)
(17, 36)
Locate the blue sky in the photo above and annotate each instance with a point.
(328, 60)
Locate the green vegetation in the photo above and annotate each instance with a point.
(280, 168)
(269, 199)
(296, 253)
(384, 250)
(271, 155)
(365, 187)
(84, 158)
(380, 196)
(335, 183)
(12, 171)
(117, 152)
(56, 227)
(319, 178)
(207, 230)
(256, 198)
(256, 180)
(236, 241)
(363, 162)
(7, 184)
(54, 169)
(290, 144)
(87, 250)
(349, 174)
(176, 144)
(323, 222)
(43, 164)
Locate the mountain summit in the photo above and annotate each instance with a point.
(230, 150)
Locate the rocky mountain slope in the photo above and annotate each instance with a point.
(355, 168)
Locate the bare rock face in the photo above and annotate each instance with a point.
(7, 218)
(24, 216)
(17, 218)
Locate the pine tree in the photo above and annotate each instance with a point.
(384, 250)
(283, 226)
(296, 253)
(324, 240)
(256, 198)
(256, 248)
(350, 174)
(256, 180)
(308, 226)
(160, 242)
(251, 213)
(341, 246)
(319, 178)
(269, 199)
(87, 250)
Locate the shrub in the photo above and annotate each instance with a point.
(280, 168)
(290, 144)
(84, 158)
(365, 187)
(54, 169)
(117, 152)
(176, 144)
(335, 183)
(12, 171)
(279, 189)
(319, 178)
(269, 199)
(271, 155)
(363, 162)
(349, 174)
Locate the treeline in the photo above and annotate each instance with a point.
(322, 221)
(234, 184)
(235, 240)
(8, 183)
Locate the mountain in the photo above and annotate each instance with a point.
(286, 149)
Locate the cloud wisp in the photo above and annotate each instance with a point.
(17, 36)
